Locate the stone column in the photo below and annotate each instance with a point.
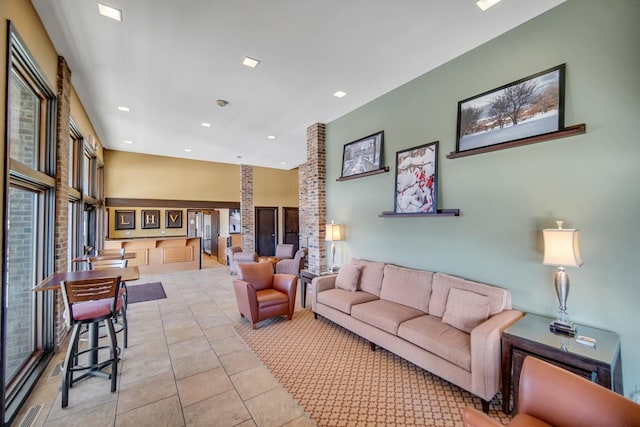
(312, 198)
(247, 210)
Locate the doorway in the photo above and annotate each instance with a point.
(266, 231)
(206, 225)
(291, 227)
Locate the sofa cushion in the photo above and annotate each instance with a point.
(499, 298)
(371, 277)
(430, 333)
(343, 300)
(349, 277)
(465, 310)
(407, 286)
(385, 315)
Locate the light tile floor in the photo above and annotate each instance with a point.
(185, 366)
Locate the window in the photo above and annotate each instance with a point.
(28, 332)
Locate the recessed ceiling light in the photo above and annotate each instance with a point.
(339, 94)
(187, 150)
(271, 137)
(250, 62)
(125, 109)
(110, 12)
(126, 141)
(283, 163)
(486, 4)
(206, 125)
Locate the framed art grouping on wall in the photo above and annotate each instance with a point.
(416, 179)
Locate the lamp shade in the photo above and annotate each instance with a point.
(333, 232)
(561, 247)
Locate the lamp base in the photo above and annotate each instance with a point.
(563, 328)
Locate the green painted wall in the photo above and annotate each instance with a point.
(507, 197)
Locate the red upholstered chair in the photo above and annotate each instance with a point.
(551, 396)
(261, 294)
(90, 302)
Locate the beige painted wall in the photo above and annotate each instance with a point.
(142, 176)
(274, 187)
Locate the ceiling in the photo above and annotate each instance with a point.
(168, 61)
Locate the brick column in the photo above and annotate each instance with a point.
(61, 231)
(312, 198)
(247, 210)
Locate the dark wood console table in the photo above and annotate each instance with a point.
(530, 336)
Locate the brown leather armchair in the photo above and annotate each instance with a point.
(261, 294)
(552, 396)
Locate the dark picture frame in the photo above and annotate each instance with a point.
(363, 155)
(150, 219)
(234, 221)
(417, 180)
(173, 219)
(522, 109)
(125, 220)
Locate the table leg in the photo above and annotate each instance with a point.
(506, 376)
(303, 293)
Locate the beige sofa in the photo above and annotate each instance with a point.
(447, 325)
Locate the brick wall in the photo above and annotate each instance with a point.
(247, 210)
(312, 198)
(61, 231)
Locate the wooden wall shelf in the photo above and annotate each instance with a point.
(360, 175)
(440, 212)
(568, 131)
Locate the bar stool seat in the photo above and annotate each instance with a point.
(89, 302)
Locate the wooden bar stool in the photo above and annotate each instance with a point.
(89, 302)
(101, 264)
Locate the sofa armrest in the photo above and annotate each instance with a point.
(486, 353)
(319, 284)
(474, 418)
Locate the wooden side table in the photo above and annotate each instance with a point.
(530, 336)
(306, 277)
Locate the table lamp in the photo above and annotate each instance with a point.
(333, 234)
(561, 249)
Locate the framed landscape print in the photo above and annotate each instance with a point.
(363, 155)
(125, 220)
(528, 107)
(416, 179)
(173, 219)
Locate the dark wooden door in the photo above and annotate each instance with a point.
(266, 231)
(291, 227)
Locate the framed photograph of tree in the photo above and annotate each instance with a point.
(417, 180)
(522, 109)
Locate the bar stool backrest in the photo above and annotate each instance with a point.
(78, 291)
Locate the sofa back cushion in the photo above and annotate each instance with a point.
(499, 298)
(371, 276)
(407, 286)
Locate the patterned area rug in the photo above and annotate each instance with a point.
(145, 292)
(339, 381)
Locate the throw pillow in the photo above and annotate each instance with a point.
(465, 310)
(349, 277)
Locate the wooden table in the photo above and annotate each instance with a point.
(55, 280)
(85, 258)
(531, 336)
